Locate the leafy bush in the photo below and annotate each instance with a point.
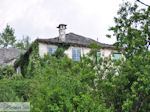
(6, 71)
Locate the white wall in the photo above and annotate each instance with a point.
(43, 49)
(106, 52)
(84, 51)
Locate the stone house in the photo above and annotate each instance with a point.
(78, 45)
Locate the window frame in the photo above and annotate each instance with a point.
(118, 58)
(98, 56)
(76, 54)
(53, 50)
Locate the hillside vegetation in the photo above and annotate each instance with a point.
(58, 84)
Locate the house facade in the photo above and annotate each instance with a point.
(75, 47)
(78, 45)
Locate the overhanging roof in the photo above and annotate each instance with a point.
(74, 39)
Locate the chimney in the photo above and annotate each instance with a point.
(62, 32)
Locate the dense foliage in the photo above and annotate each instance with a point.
(133, 35)
(61, 85)
(58, 84)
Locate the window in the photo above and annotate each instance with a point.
(52, 50)
(98, 55)
(76, 53)
(116, 56)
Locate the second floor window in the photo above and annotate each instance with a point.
(116, 56)
(76, 53)
(52, 50)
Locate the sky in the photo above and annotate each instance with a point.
(39, 18)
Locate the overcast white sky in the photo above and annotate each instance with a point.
(39, 18)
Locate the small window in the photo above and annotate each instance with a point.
(51, 50)
(98, 55)
(76, 53)
(116, 56)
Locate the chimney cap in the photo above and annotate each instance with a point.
(61, 25)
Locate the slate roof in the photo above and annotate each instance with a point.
(8, 54)
(74, 39)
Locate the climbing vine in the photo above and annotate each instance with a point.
(61, 49)
(30, 61)
(34, 60)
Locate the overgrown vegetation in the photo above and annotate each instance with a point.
(58, 84)
(61, 85)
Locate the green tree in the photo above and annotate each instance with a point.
(23, 44)
(131, 87)
(132, 29)
(7, 37)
